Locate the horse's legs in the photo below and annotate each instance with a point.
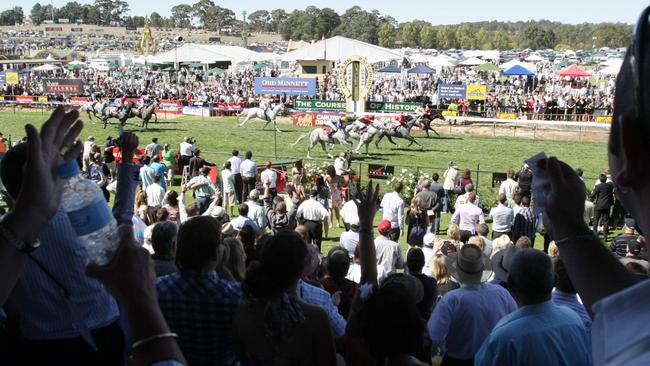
(266, 124)
(245, 120)
(275, 124)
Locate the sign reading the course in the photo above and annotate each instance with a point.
(319, 104)
(290, 86)
(452, 91)
(393, 107)
(67, 86)
(476, 92)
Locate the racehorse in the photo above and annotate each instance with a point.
(121, 115)
(268, 116)
(95, 108)
(365, 137)
(146, 112)
(401, 131)
(424, 122)
(320, 135)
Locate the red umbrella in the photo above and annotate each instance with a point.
(573, 70)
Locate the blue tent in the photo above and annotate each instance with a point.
(518, 70)
(422, 69)
(391, 69)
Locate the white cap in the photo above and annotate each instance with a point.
(354, 220)
(429, 239)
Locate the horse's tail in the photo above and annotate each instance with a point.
(300, 138)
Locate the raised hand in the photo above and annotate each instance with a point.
(367, 207)
(57, 142)
(566, 200)
(128, 144)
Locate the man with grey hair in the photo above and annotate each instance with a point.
(255, 211)
(462, 199)
(163, 241)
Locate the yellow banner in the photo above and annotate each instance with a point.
(476, 92)
(2, 97)
(449, 113)
(11, 78)
(42, 98)
(508, 115)
(607, 119)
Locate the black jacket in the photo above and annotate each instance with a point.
(604, 195)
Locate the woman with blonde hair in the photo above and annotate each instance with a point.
(500, 243)
(142, 209)
(451, 243)
(441, 274)
(417, 221)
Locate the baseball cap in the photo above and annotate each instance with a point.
(384, 226)
(630, 222)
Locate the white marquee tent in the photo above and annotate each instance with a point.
(515, 62)
(339, 48)
(207, 54)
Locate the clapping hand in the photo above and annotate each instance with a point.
(57, 142)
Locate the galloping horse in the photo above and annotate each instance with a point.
(268, 116)
(95, 108)
(401, 131)
(121, 115)
(146, 112)
(319, 135)
(365, 137)
(424, 122)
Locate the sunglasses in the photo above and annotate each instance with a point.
(638, 48)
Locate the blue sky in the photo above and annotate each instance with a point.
(441, 12)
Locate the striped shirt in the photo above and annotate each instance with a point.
(44, 311)
(319, 297)
(524, 224)
(200, 307)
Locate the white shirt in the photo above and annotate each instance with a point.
(248, 168)
(155, 195)
(428, 256)
(340, 165)
(269, 174)
(312, 210)
(389, 254)
(186, 149)
(349, 240)
(228, 181)
(349, 211)
(467, 216)
(235, 162)
(508, 187)
(502, 217)
(451, 176)
(354, 273)
(392, 206)
(488, 246)
(256, 213)
(88, 147)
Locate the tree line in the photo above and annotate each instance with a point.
(369, 26)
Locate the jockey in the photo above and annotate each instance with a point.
(121, 103)
(362, 124)
(423, 111)
(338, 123)
(401, 118)
(265, 103)
(144, 99)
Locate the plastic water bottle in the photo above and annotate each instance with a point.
(89, 214)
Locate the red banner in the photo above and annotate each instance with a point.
(24, 99)
(78, 100)
(136, 155)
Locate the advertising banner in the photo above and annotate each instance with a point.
(289, 86)
(508, 115)
(476, 92)
(2, 78)
(392, 107)
(60, 86)
(376, 171)
(319, 104)
(78, 100)
(24, 99)
(452, 91)
(312, 119)
(11, 78)
(42, 99)
(196, 111)
(169, 106)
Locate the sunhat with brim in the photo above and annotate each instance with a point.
(411, 283)
(501, 262)
(470, 265)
